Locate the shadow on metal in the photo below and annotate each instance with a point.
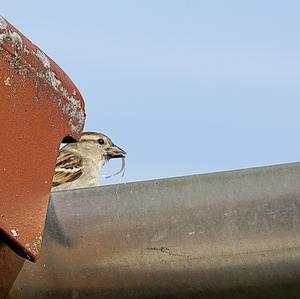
(223, 235)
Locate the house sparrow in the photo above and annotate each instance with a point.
(78, 164)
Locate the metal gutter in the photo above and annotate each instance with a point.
(223, 235)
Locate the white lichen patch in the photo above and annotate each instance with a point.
(43, 58)
(16, 39)
(14, 232)
(2, 38)
(13, 36)
(72, 108)
(3, 24)
(51, 77)
(63, 91)
(7, 81)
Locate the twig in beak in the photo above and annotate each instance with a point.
(121, 171)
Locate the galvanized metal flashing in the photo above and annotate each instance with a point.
(222, 235)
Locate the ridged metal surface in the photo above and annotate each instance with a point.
(223, 235)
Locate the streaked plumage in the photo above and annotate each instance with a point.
(69, 167)
(78, 164)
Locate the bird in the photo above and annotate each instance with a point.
(79, 164)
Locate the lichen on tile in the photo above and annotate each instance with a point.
(3, 23)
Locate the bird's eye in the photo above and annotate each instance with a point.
(100, 141)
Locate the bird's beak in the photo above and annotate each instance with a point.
(115, 152)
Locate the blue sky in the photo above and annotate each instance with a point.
(185, 87)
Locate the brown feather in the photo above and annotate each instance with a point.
(68, 168)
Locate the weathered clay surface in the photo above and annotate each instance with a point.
(39, 106)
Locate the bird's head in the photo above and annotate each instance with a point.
(100, 146)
